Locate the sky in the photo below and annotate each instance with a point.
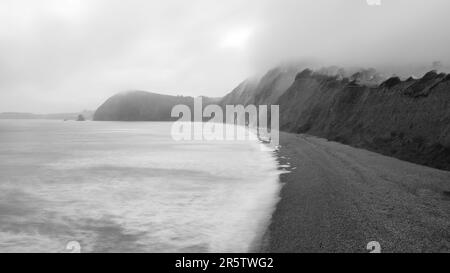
(70, 55)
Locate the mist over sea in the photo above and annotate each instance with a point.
(128, 187)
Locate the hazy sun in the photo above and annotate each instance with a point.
(236, 38)
(66, 9)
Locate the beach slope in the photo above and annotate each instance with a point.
(338, 199)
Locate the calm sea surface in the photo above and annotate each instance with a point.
(128, 187)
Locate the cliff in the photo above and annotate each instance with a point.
(408, 119)
(139, 106)
(143, 106)
(265, 91)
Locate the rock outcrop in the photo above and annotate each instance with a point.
(81, 118)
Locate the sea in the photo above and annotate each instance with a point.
(130, 187)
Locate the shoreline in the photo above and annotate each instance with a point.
(337, 198)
